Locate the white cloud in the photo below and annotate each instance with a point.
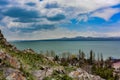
(83, 7)
(105, 13)
(86, 4)
(8, 23)
(79, 6)
(70, 8)
(59, 33)
(54, 12)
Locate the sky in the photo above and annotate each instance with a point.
(49, 19)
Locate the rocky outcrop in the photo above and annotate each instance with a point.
(10, 67)
(3, 40)
(9, 60)
(80, 74)
(47, 71)
(40, 74)
(13, 74)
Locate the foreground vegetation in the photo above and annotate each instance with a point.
(93, 65)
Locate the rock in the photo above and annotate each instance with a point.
(2, 55)
(80, 74)
(40, 74)
(47, 71)
(1, 35)
(2, 39)
(28, 51)
(60, 69)
(11, 60)
(13, 74)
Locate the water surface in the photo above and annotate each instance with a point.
(107, 48)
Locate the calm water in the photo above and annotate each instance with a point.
(108, 48)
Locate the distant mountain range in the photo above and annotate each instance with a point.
(81, 38)
(86, 39)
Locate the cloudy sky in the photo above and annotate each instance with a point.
(46, 19)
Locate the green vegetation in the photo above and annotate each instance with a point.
(27, 74)
(104, 72)
(70, 69)
(1, 75)
(57, 76)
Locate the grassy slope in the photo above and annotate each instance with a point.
(28, 61)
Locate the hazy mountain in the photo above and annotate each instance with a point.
(81, 38)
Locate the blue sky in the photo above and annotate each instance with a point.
(46, 19)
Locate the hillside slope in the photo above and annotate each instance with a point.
(20, 65)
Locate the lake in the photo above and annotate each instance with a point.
(107, 48)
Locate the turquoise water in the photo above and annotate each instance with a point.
(107, 48)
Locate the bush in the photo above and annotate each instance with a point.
(103, 72)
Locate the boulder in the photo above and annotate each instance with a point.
(11, 60)
(40, 74)
(13, 74)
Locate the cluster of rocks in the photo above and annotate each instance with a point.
(80, 74)
(13, 74)
(40, 74)
(4, 57)
(47, 71)
(10, 67)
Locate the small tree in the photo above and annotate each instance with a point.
(56, 58)
(92, 57)
(83, 56)
(47, 53)
(102, 61)
(80, 55)
(52, 53)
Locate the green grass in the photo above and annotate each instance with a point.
(58, 76)
(1, 75)
(70, 69)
